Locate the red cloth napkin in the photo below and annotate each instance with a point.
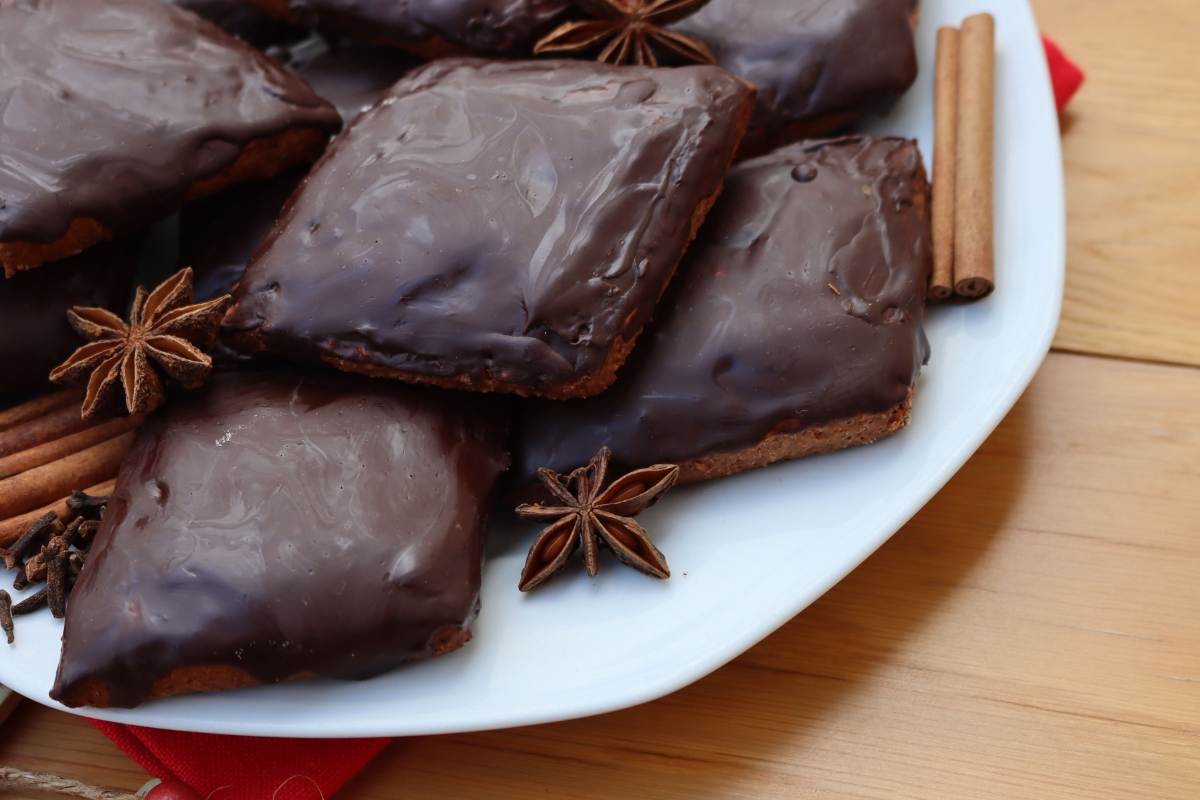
(1065, 74)
(243, 767)
(247, 768)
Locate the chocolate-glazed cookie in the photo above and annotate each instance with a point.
(275, 525)
(430, 27)
(504, 226)
(117, 113)
(819, 66)
(34, 334)
(794, 328)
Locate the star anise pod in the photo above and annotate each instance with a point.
(629, 32)
(594, 513)
(166, 332)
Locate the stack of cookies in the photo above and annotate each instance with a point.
(582, 224)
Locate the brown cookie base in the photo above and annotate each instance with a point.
(262, 158)
(784, 445)
(95, 692)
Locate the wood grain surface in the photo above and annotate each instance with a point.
(1033, 633)
(1131, 147)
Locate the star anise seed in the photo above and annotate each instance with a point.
(166, 332)
(593, 513)
(629, 32)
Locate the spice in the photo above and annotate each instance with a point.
(35, 567)
(165, 330)
(56, 449)
(56, 585)
(74, 566)
(41, 487)
(52, 551)
(12, 528)
(945, 143)
(87, 531)
(974, 247)
(629, 32)
(40, 529)
(38, 407)
(6, 620)
(86, 505)
(594, 514)
(30, 604)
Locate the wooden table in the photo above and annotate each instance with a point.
(1034, 632)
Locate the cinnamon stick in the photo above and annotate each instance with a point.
(54, 424)
(974, 244)
(39, 407)
(44, 484)
(59, 448)
(945, 144)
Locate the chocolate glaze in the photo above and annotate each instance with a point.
(285, 523)
(219, 234)
(499, 27)
(509, 222)
(812, 59)
(800, 303)
(34, 334)
(113, 109)
(244, 21)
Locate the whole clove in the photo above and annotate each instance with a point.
(6, 615)
(86, 505)
(56, 585)
(35, 567)
(86, 532)
(74, 565)
(38, 529)
(51, 549)
(71, 533)
(30, 604)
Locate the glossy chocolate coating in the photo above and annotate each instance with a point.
(507, 222)
(34, 334)
(812, 60)
(220, 234)
(286, 523)
(112, 110)
(800, 303)
(244, 21)
(499, 27)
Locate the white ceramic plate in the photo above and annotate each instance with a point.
(747, 553)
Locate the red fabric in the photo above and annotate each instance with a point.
(242, 767)
(245, 768)
(1065, 74)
